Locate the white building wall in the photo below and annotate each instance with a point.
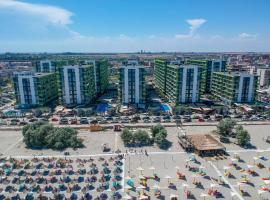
(137, 85)
(195, 85)
(126, 85)
(136, 68)
(78, 85)
(184, 85)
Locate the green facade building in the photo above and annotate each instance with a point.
(76, 85)
(160, 75)
(183, 83)
(35, 89)
(208, 67)
(101, 72)
(234, 87)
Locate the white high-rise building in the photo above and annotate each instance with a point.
(264, 76)
(132, 83)
(46, 66)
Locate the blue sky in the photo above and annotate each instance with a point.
(132, 25)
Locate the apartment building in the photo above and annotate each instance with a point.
(76, 85)
(160, 71)
(101, 72)
(208, 67)
(234, 87)
(34, 89)
(45, 66)
(183, 83)
(132, 87)
(264, 76)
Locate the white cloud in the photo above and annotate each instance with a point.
(51, 14)
(247, 35)
(194, 25)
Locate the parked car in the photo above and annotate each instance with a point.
(44, 120)
(109, 118)
(54, 119)
(146, 121)
(167, 120)
(176, 117)
(23, 123)
(73, 121)
(33, 120)
(84, 120)
(156, 119)
(63, 121)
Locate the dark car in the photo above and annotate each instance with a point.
(109, 118)
(63, 121)
(33, 120)
(23, 123)
(156, 119)
(176, 117)
(84, 120)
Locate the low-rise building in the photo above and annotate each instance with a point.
(234, 87)
(34, 89)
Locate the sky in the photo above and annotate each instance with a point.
(134, 25)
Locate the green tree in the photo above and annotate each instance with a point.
(225, 127)
(159, 134)
(156, 129)
(242, 136)
(127, 136)
(42, 135)
(141, 137)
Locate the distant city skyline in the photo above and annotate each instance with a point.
(131, 26)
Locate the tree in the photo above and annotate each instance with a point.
(159, 133)
(242, 136)
(141, 137)
(127, 136)
(225, 127)
(156, 129)
(42, 135)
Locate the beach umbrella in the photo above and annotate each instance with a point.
(128, 187)
(127, 196)
(184, 185)
(250, 166)
(254, 159)
(213, 185)
(142, 197)
(141, 187)
(142, 177)
(240, 185)
(177, 168)
(169, 178)
(267, 182)
(153, 169)
(260, 192)
(203, 195)
(156, 186)
(172, 196)
(140, 169)
(226, 168)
